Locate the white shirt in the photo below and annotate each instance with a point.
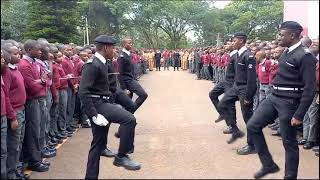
(241, 50)
(100, 57)
(291, 48)
(12, 66)
(126, 51)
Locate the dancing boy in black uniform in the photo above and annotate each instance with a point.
(293, 90)
(95, 94)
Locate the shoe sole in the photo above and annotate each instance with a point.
(126, 167)
(253, 152)
(272, 172)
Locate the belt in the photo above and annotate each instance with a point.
(287, 88)
(100, 96)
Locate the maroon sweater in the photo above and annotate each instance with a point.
(31, 74)
(5, 104)
(14, 87)
(68, 68)
(264, 69)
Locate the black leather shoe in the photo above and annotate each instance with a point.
(47, 163)
(85, 126)
(117, 135)
(51, 148)
(246, 150)
(56, 140)
(48, 154)
(235, 136)
(61, 136)
(50, 143)
(219, 119)
(39, 167)
(317, 154)
(228, 130)
(69, 134)
(266, 170)
(302, 141)
(108, 153)
(277, 133)
(126, 162)
(273, 124)
(71, 129)
(308, 145)
(275, 127)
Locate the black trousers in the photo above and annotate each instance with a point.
(125, 101)
(114, 114)
(270, 109)
(214, 94)
(230, 97)
(134, 87)
(158, 65)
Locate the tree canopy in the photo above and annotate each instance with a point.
(151, 24)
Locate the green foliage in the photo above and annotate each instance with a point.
(151, 24)
(54, 20)
(14, 18)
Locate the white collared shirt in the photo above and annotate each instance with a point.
(233, 52)
(29, 59)
(100, 57)
(241, 50)
(12, 66)
(126, 51)
(291, 48)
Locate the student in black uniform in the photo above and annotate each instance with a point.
(244, 89)
(293, 90)
(222, 87)
(126, 78)
(95, 94)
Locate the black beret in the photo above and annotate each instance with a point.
(104, 39)
(240, 35)
(292, 25)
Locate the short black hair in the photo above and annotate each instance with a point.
(30, 44)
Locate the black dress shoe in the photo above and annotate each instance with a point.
(47, 163)
(50, 143)
(275, 127)
(220, 118)
(117, 135)
(302, 141)
(56, 140)
(315, 149)
(246, 150)
(85, 126)
(235, 136)
(277, 133)
(108, 153)
(228, 130)
(70, 129)
(48, 154)
(273, 124)
(266, 170)
(39, 167)
(126, 162)
(61, 136)
(308, 145)
(317, 154)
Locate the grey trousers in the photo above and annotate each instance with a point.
(70, 108)
(31, 144)
(43, 122)
(14, 144)
(62, 111)
(311, 122)
(4, 154)
(49, 105)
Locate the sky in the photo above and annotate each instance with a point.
(217, 4)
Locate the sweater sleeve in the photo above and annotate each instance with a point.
(11, 114)
(308, 72)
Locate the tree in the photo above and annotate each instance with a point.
(14, 18)
(256, 18)
(55, 20)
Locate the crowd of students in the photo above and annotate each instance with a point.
(40, 106)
